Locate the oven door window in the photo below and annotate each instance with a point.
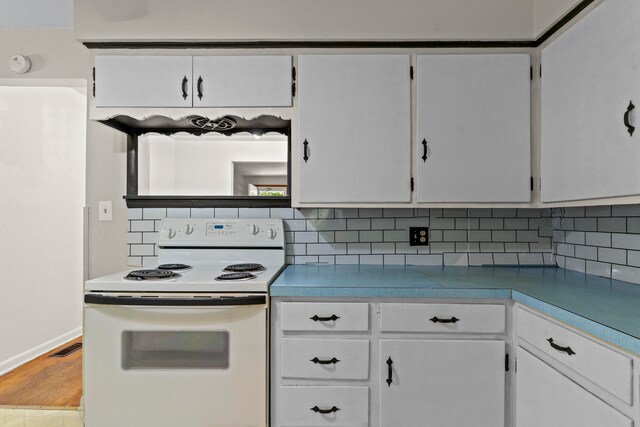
(175, 350)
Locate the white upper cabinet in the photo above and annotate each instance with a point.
(473, 130)
(242, 81)
(354, 128)
(200, 81)
(143, 81)
(590, 74)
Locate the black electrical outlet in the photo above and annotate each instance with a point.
(419, 236)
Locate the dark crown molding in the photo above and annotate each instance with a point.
(343, 44)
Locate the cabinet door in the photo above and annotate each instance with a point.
(143, 81)
(442, 383)
(473, 140)
(589, 76)
(242, 81)
(545, 397)
(354, 128)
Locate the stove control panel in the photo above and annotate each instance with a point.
(221, 232)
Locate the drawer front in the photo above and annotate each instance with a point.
(604, 366)
(325, 359)
(304, 406)
(444, 318)
(323, 316)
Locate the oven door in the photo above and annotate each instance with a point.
(175, 361)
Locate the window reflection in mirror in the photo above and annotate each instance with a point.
(213, 165)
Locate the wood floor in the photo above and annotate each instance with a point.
(45, 381)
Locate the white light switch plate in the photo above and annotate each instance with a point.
(105, 211)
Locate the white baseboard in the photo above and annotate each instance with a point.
(21, 359)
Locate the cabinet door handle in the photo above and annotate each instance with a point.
(305, 156)
(567, 350)
(325, 411)
(317, 318)
(424, 150)
(199, 85)
(630, 127)
(389, 371)
(435, 319)
(331, 361)
(185, 81)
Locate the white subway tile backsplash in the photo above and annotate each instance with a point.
(425, 260)
(253, 213)
(633, 258)
(525, 258)
(598, 239)
(595, 211)
(479, 259)
(626, 241)
(456, 259)
(141, 225)
(586, 224)
(203, 213)
(371, 236)
(575, 264)
(346, 236)
(491, 223)
(358, 248)
(624, 273)
(383, 248)
(134, 261)
(370, 213)
(306, 237)
(612, 256)
(612, 225)
(505, 259)
(327, 224)
(565, 249)
(326, 249)
(574, 212)
(359, 224)
(383, 224)
(375, 235)
(598, 268)
(633, 225)
(154, 213)
(575, 237)
(587, 252)
(372, 259)
(284, 213)
(394, 259)
(625, 210)
(180, 213)
(529, 213)
(134, 213)
(347, 259)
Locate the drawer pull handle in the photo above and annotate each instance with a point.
(567, 350)
(317, 318)
(627, 123)
(435, 319)
(331, 361)
(185, 81)
(389, 371)
(325, 411)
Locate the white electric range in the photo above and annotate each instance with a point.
(185, 343)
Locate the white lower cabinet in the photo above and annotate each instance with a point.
(324, 406)
(545, 397)
(442, 383)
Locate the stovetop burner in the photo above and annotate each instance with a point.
(235, 276)
(245, 267)
(174, 267)
(153, 274)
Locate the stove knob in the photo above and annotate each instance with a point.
(253, 229)
(188, 229)
(271, 233)
(172, 233)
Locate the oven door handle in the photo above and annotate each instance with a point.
(176, 302)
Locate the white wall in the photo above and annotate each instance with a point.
(36, 13)
(304, 19)
(42, 188)
(548, 12)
